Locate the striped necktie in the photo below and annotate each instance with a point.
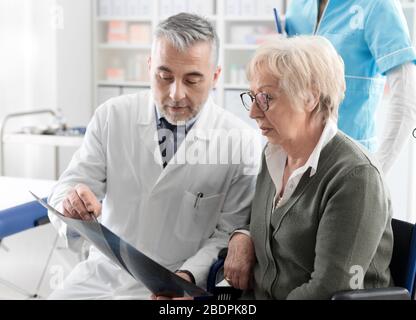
(167, 140)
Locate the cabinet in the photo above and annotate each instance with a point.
(123, 34)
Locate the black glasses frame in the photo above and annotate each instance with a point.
(254, 98)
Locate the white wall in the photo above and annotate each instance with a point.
(74, 69)
(27, 80)
(74, 58)
(46, 63)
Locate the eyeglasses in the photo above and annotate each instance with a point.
(262, 100)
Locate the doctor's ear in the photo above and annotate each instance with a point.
(217, 74)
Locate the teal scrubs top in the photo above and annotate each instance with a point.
(372, 37)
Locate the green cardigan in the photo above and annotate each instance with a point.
(336, 220)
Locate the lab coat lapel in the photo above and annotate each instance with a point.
(147, 132)
(147, 122)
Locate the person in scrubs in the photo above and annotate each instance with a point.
(373, 39)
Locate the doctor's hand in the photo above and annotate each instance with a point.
(182, 275)
(239, 264)
(80, 203)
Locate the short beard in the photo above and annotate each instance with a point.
(176, 120)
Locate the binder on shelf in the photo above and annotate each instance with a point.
(201, 7)
(267, 6)
(115, 74)
(166, 7)
(242, 34)
(117, 32)
(248, 8)
(179, 6)
(104, 8)
(118, 8)
(238, 75)
(137, 69)
(145, 8)
(139, 33)
(138, 8)
(232, 7)
(133, 8)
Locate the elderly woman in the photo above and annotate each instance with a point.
(321, 215)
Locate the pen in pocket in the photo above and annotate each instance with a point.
(197, 198)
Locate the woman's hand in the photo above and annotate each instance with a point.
(239, 264)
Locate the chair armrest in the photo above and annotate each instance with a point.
(42, 221)
(216, 274)
(391, 293)
(215, 270)
(223, 253)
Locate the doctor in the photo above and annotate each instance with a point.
(175, 172)
(373, 39)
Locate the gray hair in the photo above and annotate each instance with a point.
(184, 30)
(301, 65)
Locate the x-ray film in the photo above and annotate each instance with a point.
(158, 279)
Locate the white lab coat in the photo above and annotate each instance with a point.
(154, 208)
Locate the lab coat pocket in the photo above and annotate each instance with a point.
(198, 216)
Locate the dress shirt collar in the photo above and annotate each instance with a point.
(276, 156)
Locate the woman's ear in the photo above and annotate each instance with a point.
(312, 101)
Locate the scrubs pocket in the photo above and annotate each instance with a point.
(198, 217)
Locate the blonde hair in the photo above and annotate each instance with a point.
(303, 65)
